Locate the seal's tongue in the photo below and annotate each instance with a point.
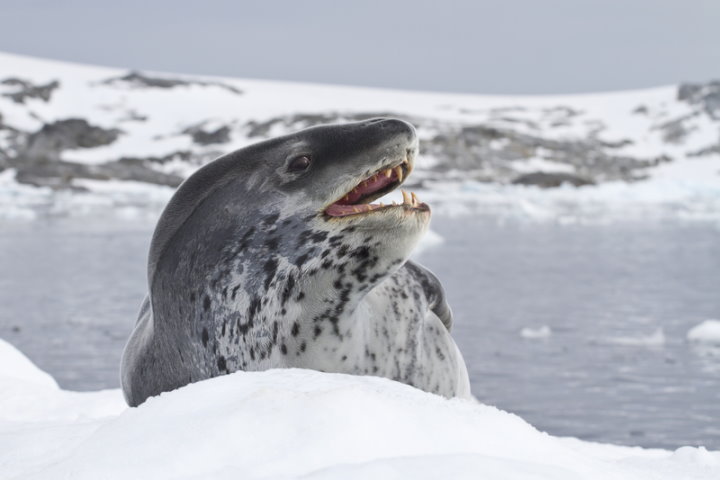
(351, 203)
(368, 187)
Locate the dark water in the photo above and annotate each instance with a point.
(70, 290)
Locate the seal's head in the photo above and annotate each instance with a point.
(324, 177)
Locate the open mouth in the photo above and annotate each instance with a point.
(357, 201)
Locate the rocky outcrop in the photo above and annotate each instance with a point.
(37, 157)
(203, 136)
(53, 138)
(60, 174)
(705, 95)
(551, 180)
(24, 89)
(142, 80)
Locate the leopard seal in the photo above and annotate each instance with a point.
(272, 256)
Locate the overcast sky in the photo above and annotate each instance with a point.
(490, 46)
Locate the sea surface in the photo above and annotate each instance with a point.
(579, 329)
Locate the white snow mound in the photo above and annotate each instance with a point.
(303, 424)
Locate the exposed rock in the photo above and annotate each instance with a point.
(551, 180)
(184, 155)
(53, 138)
(140, 80)
(60, 174)
(709, 150)
(706, 95)
(493, 150)
(675, 131)
(209, 137)
(26, 89)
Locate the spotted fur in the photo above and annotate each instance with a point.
(247, 273)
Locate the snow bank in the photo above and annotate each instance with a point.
(296, 424)
(707, 332)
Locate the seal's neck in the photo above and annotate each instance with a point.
(278, 288)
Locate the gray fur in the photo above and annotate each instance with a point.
(247, 273)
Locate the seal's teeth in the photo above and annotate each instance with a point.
(388, 172)
(399, 173)
(394, 203)
(381, 204)
(415, 200)
(407, 200)
(356, 210)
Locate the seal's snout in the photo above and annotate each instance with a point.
(392, 147)
(394, 127)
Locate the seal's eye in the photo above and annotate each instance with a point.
(299, 164)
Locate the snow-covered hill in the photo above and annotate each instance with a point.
(285, 424)
(76, 138)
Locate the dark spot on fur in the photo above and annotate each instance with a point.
(289, 286)
(317, 331)
(270, 268)
(318, 237)
(295, 329)
(271, 219)
(361, 253)
(272, 244)
(283, 349)
(205, 337)
(221, 363)
(206, 303)
(440, 354)
(301, 259)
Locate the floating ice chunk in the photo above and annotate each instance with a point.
(707, 332)
(655, 339)
(535, 333)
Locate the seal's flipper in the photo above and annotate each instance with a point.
(433, 291)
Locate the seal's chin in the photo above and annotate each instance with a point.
(357, 201)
